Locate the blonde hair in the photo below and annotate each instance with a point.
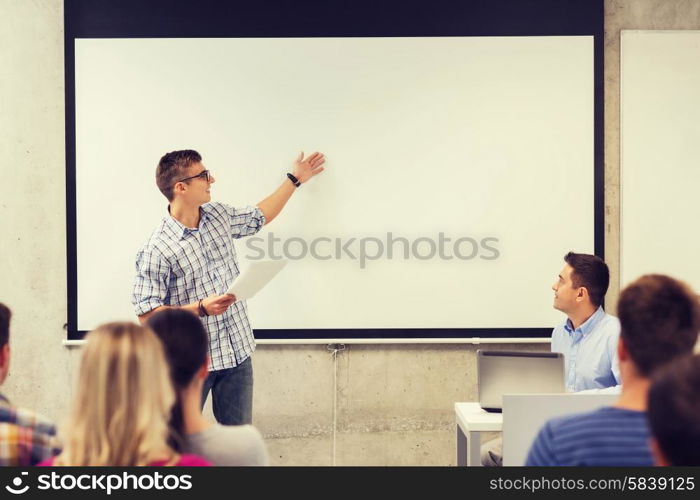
(122, 402)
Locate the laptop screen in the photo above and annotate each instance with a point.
(517, 372)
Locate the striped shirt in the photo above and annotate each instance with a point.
(26, 438)
(590, 352)
(608, 436)
(179, 265)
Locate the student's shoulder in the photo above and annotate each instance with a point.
(161, 242)
(241, 433)
(230, 445)
(576, 422)
(217, 209)
(611, 323)
(28, 419)
(560, 328)
(593, 424)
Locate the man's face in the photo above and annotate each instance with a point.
(564, 292)
(198, 191)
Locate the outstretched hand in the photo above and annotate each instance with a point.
(306, 168)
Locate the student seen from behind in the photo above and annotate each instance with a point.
(122, 403)
(186, 346)
(26, 438)
(674, 413)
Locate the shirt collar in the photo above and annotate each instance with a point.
(589, 325)
(179, 229)
(4, 400)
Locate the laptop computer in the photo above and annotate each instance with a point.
(517, 372)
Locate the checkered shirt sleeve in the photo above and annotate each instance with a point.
(152, 277)
(26, 438)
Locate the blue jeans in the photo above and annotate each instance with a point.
(232, 394)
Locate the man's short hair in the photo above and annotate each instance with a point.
(659, 321)
(590, 272)
(673, 411)
(172, 167)
(5, 316)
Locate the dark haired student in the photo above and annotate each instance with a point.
(674, 407)
(185, 341)
(190, 258)
(588, 336)
(26, 438)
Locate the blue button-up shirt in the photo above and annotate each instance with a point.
(180, 265)
(590, 352)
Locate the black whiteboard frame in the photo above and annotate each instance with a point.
(331, 18)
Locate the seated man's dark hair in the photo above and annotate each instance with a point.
(591, 273)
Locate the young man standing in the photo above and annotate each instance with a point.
(191, 257)
(660, 320)
(25, 437)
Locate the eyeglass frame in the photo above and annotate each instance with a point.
(206, 173)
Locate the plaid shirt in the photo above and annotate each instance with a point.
(26, 438)
(178, 266)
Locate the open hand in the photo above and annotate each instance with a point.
(305, 169)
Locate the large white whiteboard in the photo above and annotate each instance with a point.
(660, 154)
(469, 137)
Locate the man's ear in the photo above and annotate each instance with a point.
(622, 352)
(581, 294)
(203, 371)
(179, 187)
(659, 457)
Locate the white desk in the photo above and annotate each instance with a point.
(471, 421)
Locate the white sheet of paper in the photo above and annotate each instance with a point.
(253, 278)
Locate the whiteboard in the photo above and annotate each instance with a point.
(473, 139)
(660, 154)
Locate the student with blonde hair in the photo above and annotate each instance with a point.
(122, 403)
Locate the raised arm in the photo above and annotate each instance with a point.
(304, 169)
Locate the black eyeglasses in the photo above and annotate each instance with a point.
(204, 174)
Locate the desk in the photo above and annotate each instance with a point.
(471, 421)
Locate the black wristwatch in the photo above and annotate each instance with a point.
(294, 180)
(202, 311)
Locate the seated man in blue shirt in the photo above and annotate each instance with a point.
(674, 406)
(660, 320)
(588, 336)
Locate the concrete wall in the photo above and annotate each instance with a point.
(366, 405)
